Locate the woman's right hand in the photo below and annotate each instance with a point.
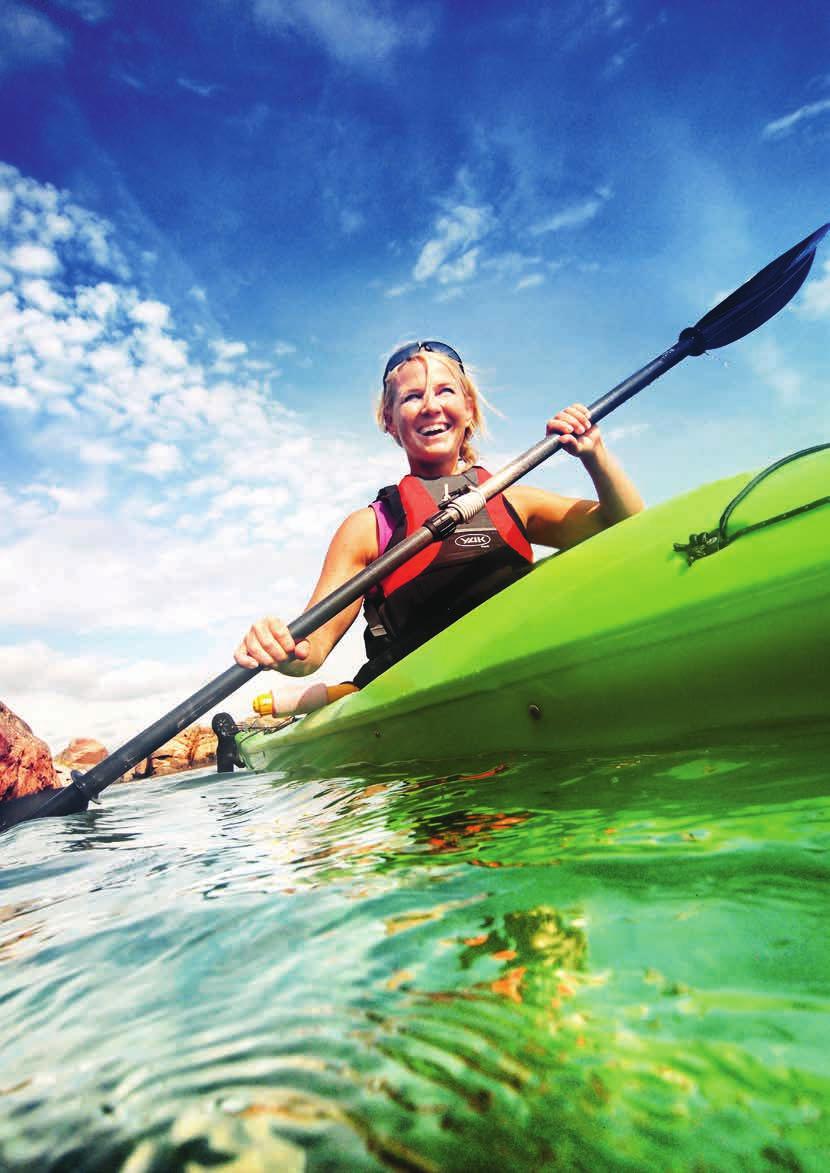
(269, 644)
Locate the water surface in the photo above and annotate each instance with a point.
(606, 963)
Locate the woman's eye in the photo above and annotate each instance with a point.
(409, 396)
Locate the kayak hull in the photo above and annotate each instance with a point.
(616, 644)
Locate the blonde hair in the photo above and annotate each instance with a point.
(477, 426)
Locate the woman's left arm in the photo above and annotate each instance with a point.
(562, 522)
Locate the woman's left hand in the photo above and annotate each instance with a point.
(578, 434)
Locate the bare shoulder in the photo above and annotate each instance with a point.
(356, 538)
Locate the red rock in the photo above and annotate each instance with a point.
(203, 747)
(191, 749)
(82, 753)
(25, 761)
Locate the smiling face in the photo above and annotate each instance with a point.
(429, 414)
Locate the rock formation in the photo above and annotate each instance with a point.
(26, 764)
(81, 754)
(191, 749)
(25, 761)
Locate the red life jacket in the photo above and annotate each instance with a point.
(445, 580)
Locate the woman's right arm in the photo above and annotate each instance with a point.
(268, 643)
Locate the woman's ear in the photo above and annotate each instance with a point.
(390, 427)
(470, 413)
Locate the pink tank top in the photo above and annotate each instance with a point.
(384, 524)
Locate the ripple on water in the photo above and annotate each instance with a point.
(613, 963)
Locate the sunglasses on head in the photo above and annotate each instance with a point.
(412, 348)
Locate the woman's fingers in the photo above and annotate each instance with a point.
(570, 423)
(243, 658)
(272, 637)
(269, 643)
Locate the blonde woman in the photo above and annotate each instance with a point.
(432, 409)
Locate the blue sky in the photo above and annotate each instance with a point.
(217, 219)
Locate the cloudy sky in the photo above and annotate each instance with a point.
(217, 219)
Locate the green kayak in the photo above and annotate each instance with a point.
(625, 641)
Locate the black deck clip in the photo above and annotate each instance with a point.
(700, 545)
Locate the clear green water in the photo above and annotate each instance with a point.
(615, 963)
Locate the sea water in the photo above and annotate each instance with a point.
(587, 963)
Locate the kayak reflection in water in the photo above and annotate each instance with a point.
(432, 409)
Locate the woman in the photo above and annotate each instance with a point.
(432, 409)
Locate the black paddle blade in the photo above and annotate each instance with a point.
(759, 299)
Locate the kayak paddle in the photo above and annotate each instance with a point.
(739, 314)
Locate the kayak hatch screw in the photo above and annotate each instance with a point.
(535, 712)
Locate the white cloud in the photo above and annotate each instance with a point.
(97, 452)
(461, 269)
(95, 238)
(151, 313)
(92, 11)
(33, 258)
(359, 33)
(226, 350)
(769, 364)
(509, 264)
(41, 295)
(60, 407)
(167, 352)
(448, 254)
(530, 281)
(815, 299)
(109, 360)
(18, 398)
(784, 126)
(27, 38)
(99, 301)
(624, 432)
(200, 88)
(160, 459)
(281, 349)
(58, 226)
(69, 499)
(44, 386)
(574, 215)
(350, 221)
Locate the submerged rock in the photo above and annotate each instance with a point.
(25, 761)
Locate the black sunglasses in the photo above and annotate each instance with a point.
(413, 348)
